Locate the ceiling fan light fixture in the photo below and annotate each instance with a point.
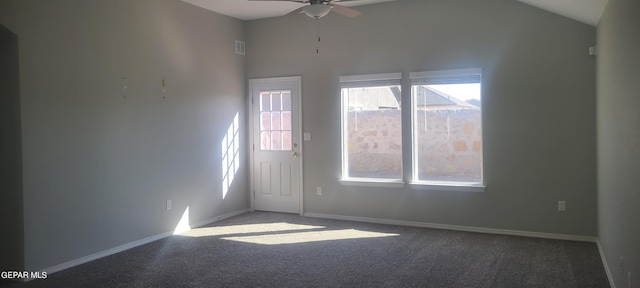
(316, 10)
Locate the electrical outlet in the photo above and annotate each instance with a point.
(168, 204)
(319, 190)
(562, 206)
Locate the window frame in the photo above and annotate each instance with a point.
(281, 128)
(442, 185)
(414, 183)
(366, 80)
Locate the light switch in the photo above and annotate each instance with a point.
(307, 136)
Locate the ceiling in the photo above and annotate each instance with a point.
(586, 11)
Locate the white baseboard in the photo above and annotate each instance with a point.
(133, 244)
(105, 253)
(456, 227)
(606, 265)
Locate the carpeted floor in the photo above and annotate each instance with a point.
(261, 249)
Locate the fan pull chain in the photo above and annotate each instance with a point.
(317, 34)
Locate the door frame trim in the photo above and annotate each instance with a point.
(252, 140)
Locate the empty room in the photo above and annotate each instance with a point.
(353, 143)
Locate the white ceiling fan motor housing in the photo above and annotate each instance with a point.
(316, 10)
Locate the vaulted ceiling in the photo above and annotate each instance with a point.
(586, 11)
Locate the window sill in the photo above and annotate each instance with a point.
(446, 186)
(370, 182)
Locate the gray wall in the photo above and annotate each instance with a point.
(619, 139)
(538, 106)
(98, 168)
(11, 238)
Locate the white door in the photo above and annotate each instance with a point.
(276, 158)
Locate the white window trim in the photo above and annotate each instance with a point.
(448, 186)
(371, 77)
(440, 185)
(355, 181)
(444, 73)
(372, 182)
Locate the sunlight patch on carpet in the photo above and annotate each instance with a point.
(247, 229)
(310, 236)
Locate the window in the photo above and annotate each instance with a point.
(371, 128)
(275, 121)
(447, 127)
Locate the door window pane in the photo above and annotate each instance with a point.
(265, 140)
(276, 101)
(286, 101)
(286, 120)
(275, 121)
(265, 101)
(276, 140)
(265, 121)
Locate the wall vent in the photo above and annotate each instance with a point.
(240, 47)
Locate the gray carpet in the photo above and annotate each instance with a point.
(287, 250)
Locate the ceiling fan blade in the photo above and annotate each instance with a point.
(345, 11)
(299, 1)
(294, 12)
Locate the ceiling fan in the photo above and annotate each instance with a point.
(319, 8)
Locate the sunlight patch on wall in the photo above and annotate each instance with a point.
(183, 224)
(230, 155)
